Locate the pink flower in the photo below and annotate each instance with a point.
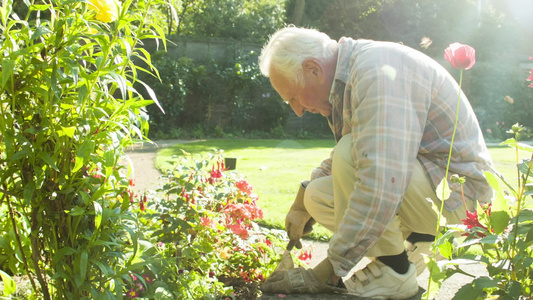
(206, 222)
(148, 279)
(244, 187)
(239, 230)
(460, 56)
(131, 293)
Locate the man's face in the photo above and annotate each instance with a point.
(313, 96)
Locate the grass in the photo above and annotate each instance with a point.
(276, 167)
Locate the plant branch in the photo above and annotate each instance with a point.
(17, 237)
(35, 255)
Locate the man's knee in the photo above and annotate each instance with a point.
(309, 198)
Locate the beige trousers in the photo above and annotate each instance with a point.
(326, 199)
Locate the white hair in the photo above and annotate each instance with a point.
(289, 47)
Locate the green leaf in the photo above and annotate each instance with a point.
(118, 288)
(39, 7)
(134, 241)
(40, 31)
(63, 252)
(162, 293)
(529, 189)
(120, 81)
(28, 192)
(9, 284)
(499, 217)
(443, 190)
(106, 269)
(82, 93)
(152, 95)
(524, 168)
(489, 239)
(76, 211)
(467, 291)
(141, 103)
(97, 215)
(499, 220)
(7, 69)
(83, 154)
(485, 282)
(48, 159)
(446, 249)
(68, 131)
(83, 265)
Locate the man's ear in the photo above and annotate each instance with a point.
(313, 68)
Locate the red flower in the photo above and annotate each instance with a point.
(244, 187)
(460, 56)
(216, 173)
(305, 255)
(142, 202)
(472, 221)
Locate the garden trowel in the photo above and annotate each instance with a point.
(286, 262)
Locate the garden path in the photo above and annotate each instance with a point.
(147, 178)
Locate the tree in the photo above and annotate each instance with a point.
(244, 20)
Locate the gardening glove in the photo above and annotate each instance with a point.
(298, 221)
(305, 281)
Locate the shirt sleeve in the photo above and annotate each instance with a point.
(389, 103)
(323, 170)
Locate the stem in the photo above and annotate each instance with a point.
(17, 237)
(446, 175)
(520, 196)
(35, 254)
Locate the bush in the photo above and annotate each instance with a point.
(203, 223)
(201, 97)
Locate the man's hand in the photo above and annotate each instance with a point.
(305, 281)
(298, 221)
(298, 280)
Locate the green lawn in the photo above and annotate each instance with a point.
(275, 167)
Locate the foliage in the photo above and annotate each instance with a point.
(502, 230)
(243, 20)
(204, 98)
(68, 109)
(70, 220)
(203, 221)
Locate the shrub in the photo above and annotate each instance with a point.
(203, 221)
(68, 109)
(198, 97)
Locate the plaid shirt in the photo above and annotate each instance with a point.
(398, 105)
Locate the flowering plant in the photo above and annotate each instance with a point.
(70, 103)
(499, 235)
(205, 228)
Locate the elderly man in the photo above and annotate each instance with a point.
(392, 111)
